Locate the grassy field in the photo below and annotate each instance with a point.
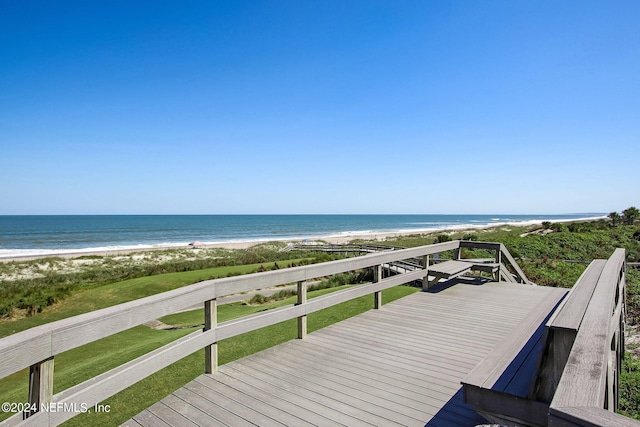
(127, 290)
(30, 287)
(80, 364)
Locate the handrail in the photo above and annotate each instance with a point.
(502, 255)
(37, 347)
(587, 391)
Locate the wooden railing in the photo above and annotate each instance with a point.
(36, 348)
(509, 269)
(587, 390)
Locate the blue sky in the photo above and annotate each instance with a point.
(130, 107)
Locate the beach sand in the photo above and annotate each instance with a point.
(222, 245)
(234, 245)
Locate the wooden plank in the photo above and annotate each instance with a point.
(390, 371)
(265, 395)
(408, 352)
(466, 314)
(421, 346)
(254, 410)
(483, 266)
(559, 346)
(406, 388)
(389, 353)
(507, 406)
(190, 412)
(480, 245)
(377, 296)
(15, 349)
(588, 416)
(396, 396)
(491, 368)
(41, 384)
(219, 413)
(147, 418)
(450, 268)
(584, 378)
(335, 411)
(562, 329)
(570, 314)
(320, 382)
(302, 299)
(519, 378)
(210, 322)
(13, 420)
(107, 384)
(170, 416)
(506, 255)
(506, 275)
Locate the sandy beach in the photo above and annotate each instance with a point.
(237, 245)
(223, 245)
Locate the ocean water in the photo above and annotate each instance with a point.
(54, 234)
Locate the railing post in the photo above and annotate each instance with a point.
(377, 296)
(40, 386)
(496, 276)
(425, 280)
(210, 351)
(302, 320)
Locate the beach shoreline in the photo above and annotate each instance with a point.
(343, 238)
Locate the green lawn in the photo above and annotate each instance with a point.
(82, 363)
(126, 290)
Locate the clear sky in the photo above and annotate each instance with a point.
(365, 106)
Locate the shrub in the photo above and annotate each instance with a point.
(630, 386)
(441, 238)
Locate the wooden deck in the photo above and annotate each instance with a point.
(399, 365)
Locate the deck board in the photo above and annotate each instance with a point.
(400, 365)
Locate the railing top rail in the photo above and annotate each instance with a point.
(583, 382)
(570, 314)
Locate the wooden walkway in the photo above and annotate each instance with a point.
(399, 365)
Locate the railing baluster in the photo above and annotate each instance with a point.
(40, 386)
(210, 322)
(377, 296)
(302, 320)
(425, 280)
